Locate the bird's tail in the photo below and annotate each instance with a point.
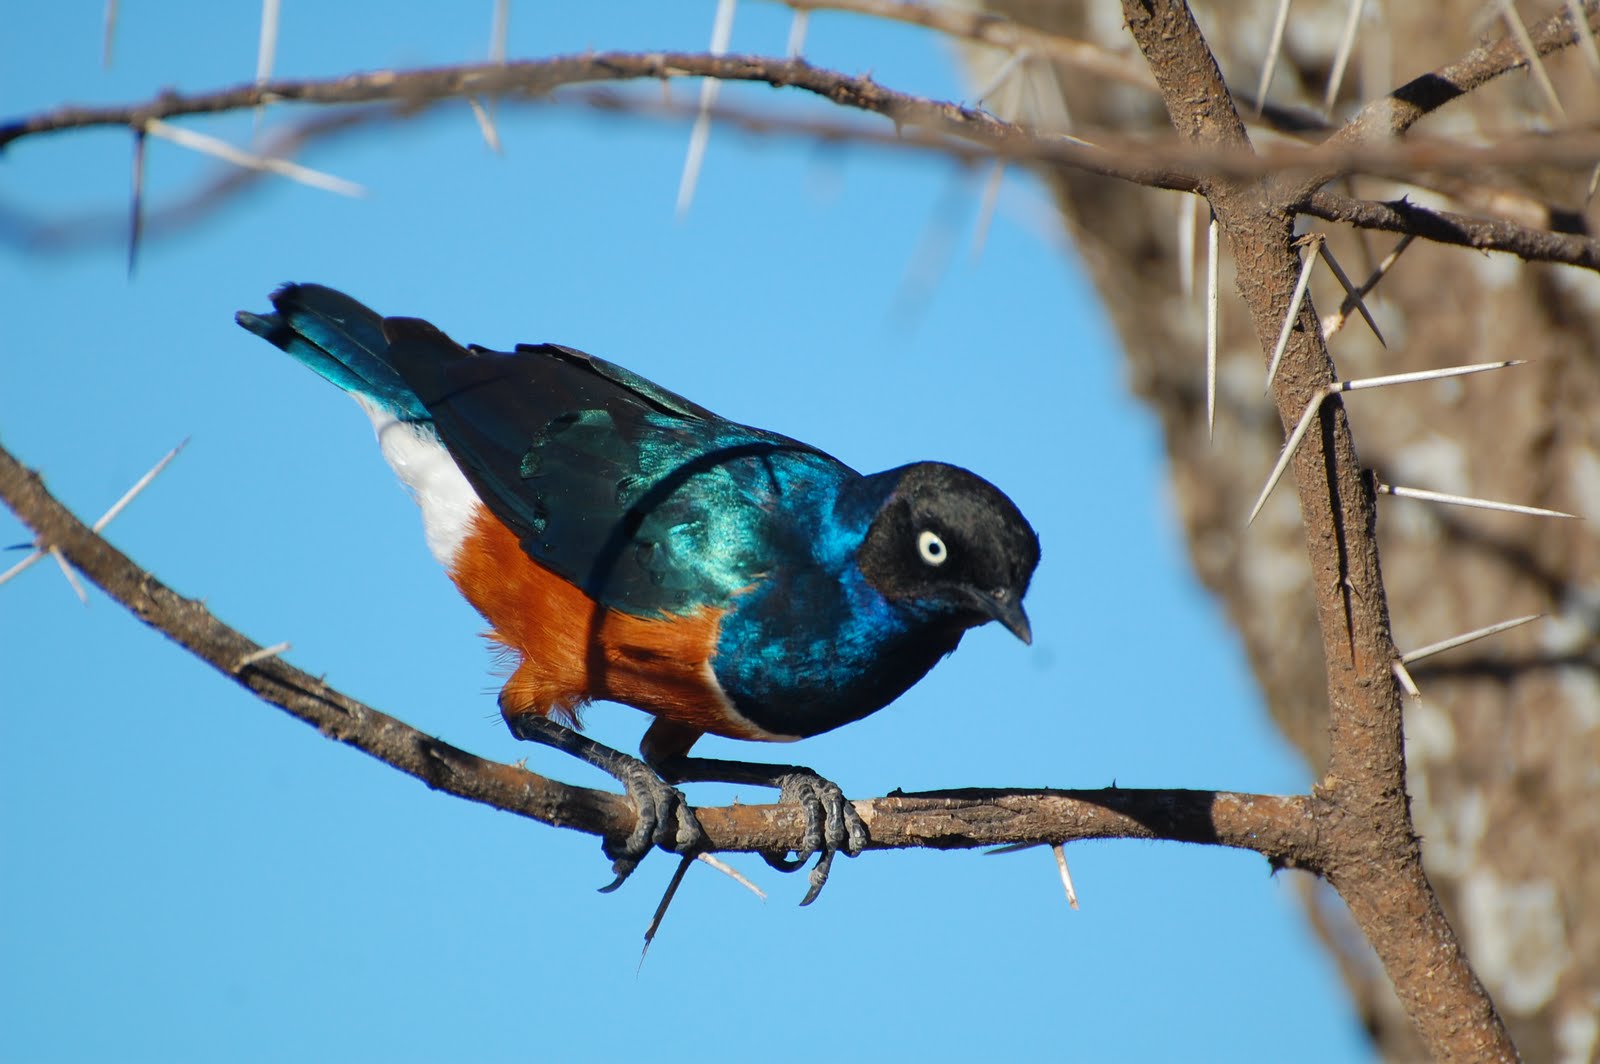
(339, 338)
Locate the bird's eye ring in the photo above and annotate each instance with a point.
(932, 548)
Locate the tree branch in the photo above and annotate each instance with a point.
(1376, 862)
(1445, 227)
(1279, 828)
(1391, 116)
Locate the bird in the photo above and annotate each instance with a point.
(625, 544)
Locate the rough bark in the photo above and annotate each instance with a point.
(1502, 747)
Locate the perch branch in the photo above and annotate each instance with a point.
(1279, 828)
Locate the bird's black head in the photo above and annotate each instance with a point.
(950, 546)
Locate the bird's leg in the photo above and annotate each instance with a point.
(832, 823)
(663, 817)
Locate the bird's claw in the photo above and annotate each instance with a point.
(663, 818)
(832, 824)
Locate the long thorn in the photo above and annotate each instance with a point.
(1341, 58)
(1591, 50)
(798, 27)
(1188, 218)
(491, 135)
(221, 149)
(1311, 241)
(1468, 500)
(700, 135)
(136, 206)
(105, 518)
(1002, 74)
(1519, 30)
(266, 48)
(1066, 876)
(1213, 307)
(1334, 322)
(138, 486)
(108, 34)
(666, 900)
(499, 31)
(986, 205)
(72, 577)
(1467, 637)
(1351, 292)
(1278, 25)
(732, 873)
(1316, 401)
(1403, 674)
(27, 563)
(1363, 383)
(1289, 447)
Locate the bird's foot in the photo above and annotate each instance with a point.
(663, 817)
(832, 824)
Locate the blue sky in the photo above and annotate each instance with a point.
(192, 875)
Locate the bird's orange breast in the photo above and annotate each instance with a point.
(572, 649)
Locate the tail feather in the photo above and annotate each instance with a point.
(339, 338)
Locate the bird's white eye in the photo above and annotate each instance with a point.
(932, 548)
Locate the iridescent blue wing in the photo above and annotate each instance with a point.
(648, 502)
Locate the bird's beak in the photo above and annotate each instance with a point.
(1007, 609)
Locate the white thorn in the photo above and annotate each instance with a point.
(732, 873)
(1363, 383)
(72, 578)
(1002, 74)
(1403, 674)
(1311, 242)
(260, 655)
(108, 34)
(104, 519)
(1351, 291)
(1467, 500)
(491, 136)
(1289, 447)
(1591, 50)
(1278, 26)
(1334, 322)
(138, 486)
(24, 564)
(1213, 307)
(700, 135)
(1336, 387)
(986, 206)
(221, 149)
(1519, 30)
(1341, 59)
(1468, 637)
(499, 29)
(1188, 218)
(266, 48)
(1066, 876)
(797, 33)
